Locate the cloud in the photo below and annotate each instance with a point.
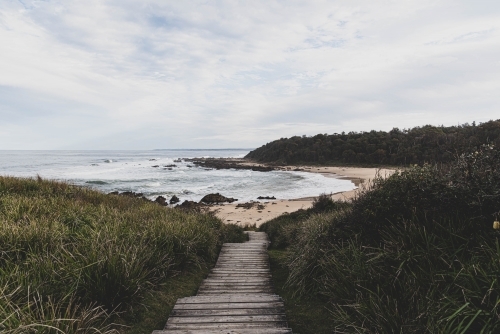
(152, 74)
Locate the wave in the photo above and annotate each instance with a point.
(97, 182)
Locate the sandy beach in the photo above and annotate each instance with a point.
(265, 210)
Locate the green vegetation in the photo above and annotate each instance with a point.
(396, 147)
(304, 315)
(414, 253)
(73, 260)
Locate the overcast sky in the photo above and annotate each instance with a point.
(123, 74)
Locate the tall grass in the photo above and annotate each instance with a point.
(416, 253)
(72, 259)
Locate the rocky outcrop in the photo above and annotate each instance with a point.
(192, 206)
(266, 197)
(216, 198)
(174, 200)
(228, 164)
(161, 200)
(131, 194)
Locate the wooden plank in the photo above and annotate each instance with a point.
(209, 292)
(233, 305)
(205, 326)
(236, 281)
(239, 276)
(241, 270)
(241, 284)
(227, 312)
(227, 331)
(227, 319)
(236, 298)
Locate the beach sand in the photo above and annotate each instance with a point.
(270, 209)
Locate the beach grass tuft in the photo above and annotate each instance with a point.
(74, 260)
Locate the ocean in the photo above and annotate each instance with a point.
(109, 171)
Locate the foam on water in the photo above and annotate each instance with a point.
(133, 171)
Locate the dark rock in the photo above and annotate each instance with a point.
(221, 163)
(161, 200)
(192, 206)
(114, 193)
(152, 159)
(189, 166)
(178, 160)
(174, 200)
(155, 166)
(170, 165)
(266, 197)
(216, 198)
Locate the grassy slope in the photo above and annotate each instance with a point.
(415, 254)
(76, 260)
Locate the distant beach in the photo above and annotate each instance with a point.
(269, 209)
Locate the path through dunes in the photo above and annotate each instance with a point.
(237, 296)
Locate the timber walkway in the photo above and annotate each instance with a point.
(236, 298)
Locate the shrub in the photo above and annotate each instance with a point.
(414, 253)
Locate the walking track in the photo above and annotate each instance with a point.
(236, 298)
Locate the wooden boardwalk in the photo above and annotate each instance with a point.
(236, 298)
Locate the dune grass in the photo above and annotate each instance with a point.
(74, 260)
(415, 253)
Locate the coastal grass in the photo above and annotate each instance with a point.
(415, 253)
(74, 260)
(154, 310)
(304, 315)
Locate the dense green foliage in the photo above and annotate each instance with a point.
(415, 253)
(73, 259)
(396, 147)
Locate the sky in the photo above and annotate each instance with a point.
(152, 74)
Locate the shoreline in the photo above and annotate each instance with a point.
(265, 210)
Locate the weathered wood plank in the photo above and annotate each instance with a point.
(233, 305)
(227, 331)
(212, 326)
(236, 298)
(208, 292)
(227, 319)
(227, 312)
(240, 284)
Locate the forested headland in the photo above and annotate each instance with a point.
(418, 145)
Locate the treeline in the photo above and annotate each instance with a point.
(397, 147)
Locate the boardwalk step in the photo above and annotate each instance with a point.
(228, 331)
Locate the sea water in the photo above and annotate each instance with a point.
(109, 171)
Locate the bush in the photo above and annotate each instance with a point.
(415, 253)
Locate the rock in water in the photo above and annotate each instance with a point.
(216, 198)
(161, 200)
(174, 200)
